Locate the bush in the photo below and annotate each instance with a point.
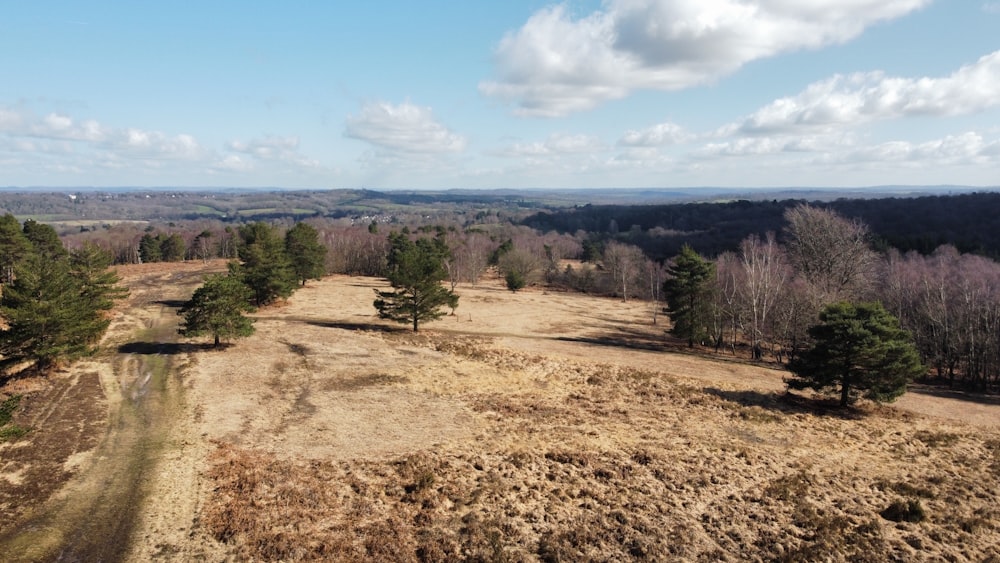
(515, 281)
(905, 511)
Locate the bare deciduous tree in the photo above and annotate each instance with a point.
(624, 263)
(765, 272)
(830, 252)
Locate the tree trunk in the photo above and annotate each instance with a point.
(845, 391)
(217, 341)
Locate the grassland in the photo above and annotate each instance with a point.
(526, 427)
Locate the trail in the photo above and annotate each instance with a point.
(94, 517)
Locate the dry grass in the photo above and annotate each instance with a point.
(516, 455)
(540, 427)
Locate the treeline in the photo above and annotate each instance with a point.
(769, 282)
(766, 295)
(969, 222)
(55, 303)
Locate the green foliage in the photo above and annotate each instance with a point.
(514, 280)
(10, 431)
(687, 292)
(7, 408)
(265, 267)
(415, 270)
(44, 241)
(860, 350)
(55, 307)
(149, 249)
(162, 248)
(90, 266)
(307, 255)
(14, 246)
(217, 308)
(505, 247)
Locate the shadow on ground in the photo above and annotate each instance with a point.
(957, 394)
(168, 348)
(788, 403)
(344, 325)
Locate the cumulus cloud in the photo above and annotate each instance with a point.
(865, 97)
(270, 148)
(557, 63)
(966, 148)
(403, 129)
(53, 130)
(655, 136)
(555, 145)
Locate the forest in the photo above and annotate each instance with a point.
(929, 260)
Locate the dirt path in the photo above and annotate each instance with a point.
(94, 517)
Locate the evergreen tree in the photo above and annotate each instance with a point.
(172, 247)
(307, 255)
(44, 240)
(56, 306)
(688, 294)
(859, 350)
(265, 267)
(99, 289)
(14, 246)
(217, 308)
(149, 249)
(415, 270)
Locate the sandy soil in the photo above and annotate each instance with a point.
(528, 426)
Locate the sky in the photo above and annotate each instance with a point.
(514, 94)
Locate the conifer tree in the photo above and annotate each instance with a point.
(217, 308)
(306, 253)
(264, 266)
(688, 294)
(860, 350)
(55, 308)
(14, 246)
(416, 270)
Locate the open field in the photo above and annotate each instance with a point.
(528, 426)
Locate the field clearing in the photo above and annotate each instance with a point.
(532, 426)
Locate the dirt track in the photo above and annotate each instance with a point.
(99, 432)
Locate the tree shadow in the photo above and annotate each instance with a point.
(956, 394)
(633, 339)
(788, 403)
(345, 325)
(168, 348)
(172, 303)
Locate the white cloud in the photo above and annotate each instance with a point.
(403, 128)
(273, 148)
(865, 97)
(991, 7)
(656, 136)
(554, 146)
(557, 64)
(966, 148)
(56, 129)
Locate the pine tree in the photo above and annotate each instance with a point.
(688, 294)
(217, 308)
(56, 306)
(860, 350)
(14, 246)
(306, 253)
(416, 270)
(99, 289)
(264, 266)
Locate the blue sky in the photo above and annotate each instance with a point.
(512, 94)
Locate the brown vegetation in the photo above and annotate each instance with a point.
(540, 427)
